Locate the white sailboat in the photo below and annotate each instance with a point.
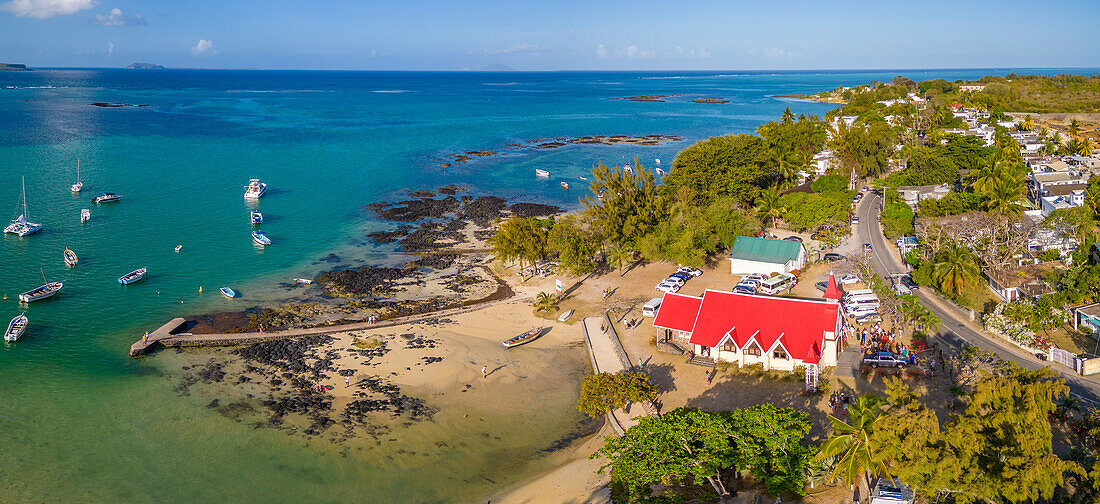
(20, 225)
(78, 186)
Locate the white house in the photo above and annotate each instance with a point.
(763, 255)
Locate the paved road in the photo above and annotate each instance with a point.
(954, 331)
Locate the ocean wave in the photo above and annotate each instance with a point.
(31, 87)
(279, 91)
(391, 91)
(500, 83)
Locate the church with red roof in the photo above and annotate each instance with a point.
(780, 333)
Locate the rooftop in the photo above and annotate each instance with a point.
(765, 250)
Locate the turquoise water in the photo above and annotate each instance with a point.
(326, 143)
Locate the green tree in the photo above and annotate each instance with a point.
(575, 245)
(546, 302)
(788, 116)
(769, 443)
(522, 239)
(859, 457)
(768, 206)
(603, 392)
(1027, 123)
(619, 256)
(954, 268)
(1004, 197)
(624, 206)
(732, 165)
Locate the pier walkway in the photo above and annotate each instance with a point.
(608, 356)
(168, 335)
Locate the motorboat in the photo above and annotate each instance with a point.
(628, 169)
(660, 171)
(255, 189)
(16, 328)
(227, 292)
(85, 215)
(132, 276)
(303, 281)
(41, 292)
(179, 247)
(70, 257)
(541, 173)
(106, 198)
(526, 337)
(21, 225)
(78, 186)
(256, 217)
(260, 238)
(564, 185)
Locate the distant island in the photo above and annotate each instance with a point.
(497, 67)
(145, 66)
(14, 67)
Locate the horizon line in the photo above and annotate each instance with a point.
(514, 70)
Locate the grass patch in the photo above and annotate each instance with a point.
(370, 342)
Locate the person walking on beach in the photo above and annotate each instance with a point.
(484, 371)
(347, 381)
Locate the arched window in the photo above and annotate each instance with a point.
(729, 347)
(752, 349)
(779, 354)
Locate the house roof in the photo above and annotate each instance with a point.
(765, 250)
(677, 312)
(1065, 189)
(831, 289)
(1028, 279)
(799, 325)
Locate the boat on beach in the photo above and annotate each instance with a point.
(564, 185)
(541, 173)
(41, 292)
(70, 257)
(255, 189)
(16, 328)
(132, 276)
(522, 338)
(303, 281)
(85, 215)
(106, 198)
(260, 238)
(565, 316)
(78, 186)
(256, 217)
(227, 292)
(20, 225)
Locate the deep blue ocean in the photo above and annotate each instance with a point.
(74, 406)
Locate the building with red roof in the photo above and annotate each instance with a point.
(777, 332)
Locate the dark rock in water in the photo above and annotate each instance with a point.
(423, 193)
(534, 210)
(484, 209)
(361, 281)
(452, 189)
(390, 236)
(116, 105)
(331, 258)
(415, 210)
(435, 261)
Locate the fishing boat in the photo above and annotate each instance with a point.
(628, 169)
(541, 173)
(227, 292)
(660, 171)
(132, 276)
(582, 178)
(106, 198)
(20, 225)
(78, 186)
(260, 238)
(16, 328)
(41, 292)
(523, 338)
(303, 281)
(565, 316)
(70, 257)
(179, 247)
(256, 217)
(564, 185)
(255, 189)
(85, 215)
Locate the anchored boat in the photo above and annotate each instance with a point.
(106, 198)
(227, 292)
(78, 186)
(85, 214)
(20, 225)
(522, 338)
(256, 217)
(132, 276)
(255, 189)
(70, 257)
(260, 238)
(564, 185)
(541, 173)
(41, 292)
(16, 328)
(303, 281)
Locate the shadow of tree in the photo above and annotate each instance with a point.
(661, 375)
(736, 390)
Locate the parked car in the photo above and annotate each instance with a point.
(855, 219)
(867, 247)
(743, 288)
(757, 277)
(822, 286)
(694, 272)
(667, 287)
(676, 280)
(884, 359)
(832, 256)
(901, 288)
(793, 238)
(869, 318)
(682, 276)
(908, 281)
(848, 279)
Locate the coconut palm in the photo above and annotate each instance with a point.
(546, 302)
(928, 322)
(1004, 197)
(768, 207)
(851, 442)
(618, 255)
(1027, 123)
(788, 116)
(954, 268)
(1074, 127)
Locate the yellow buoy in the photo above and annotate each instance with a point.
(5, 297)
(200, 289)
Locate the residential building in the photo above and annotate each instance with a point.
(1087, 317)
(1049, 204)
(1026, 281)
(971, 88)
(915, 194)
(764, 255)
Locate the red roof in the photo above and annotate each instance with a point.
(677, 312)
(799, 325)
(831, 290)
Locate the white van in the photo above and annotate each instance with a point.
(868, 305)
(651, 307)
(777, 284)
(860, 297)
(858, 292)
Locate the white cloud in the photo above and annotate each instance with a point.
(601, 52)
(204, 48)
(692, 52)
(42, 9)
(628, 52)
(774, 52)
(111, 48)
(117, 18)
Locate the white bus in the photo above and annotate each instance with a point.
(777, 284)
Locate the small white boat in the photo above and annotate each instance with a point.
(660, 171)
(85, 215)
(16, 328)
(564, 185)
(582, 178)
(41, 292)
(227, 292)
(260, 238)
(108, 197)
(78, 186)
(255, 189)
(132, 276)
(628, 169)
(541, 173)
(565, 316)
(179, 247)
(20, 225)
(70, 257)
(256, 217)
(303, 281)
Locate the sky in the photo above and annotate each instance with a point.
(551, 35)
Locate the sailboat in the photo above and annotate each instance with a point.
(70, 257)
(78, 186)
(41, 292)
(20, 225)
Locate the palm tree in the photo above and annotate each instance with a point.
(768, 207)
(928, 322)
(954, 268)
(546, 302)
(788, 116)
(618, 255)
(1074, 127)
(851, 442)
(1004, 197)
(786, 171)
(1027, 123)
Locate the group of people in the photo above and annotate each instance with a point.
(839, 398)
(876, 339)
(372, 319)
